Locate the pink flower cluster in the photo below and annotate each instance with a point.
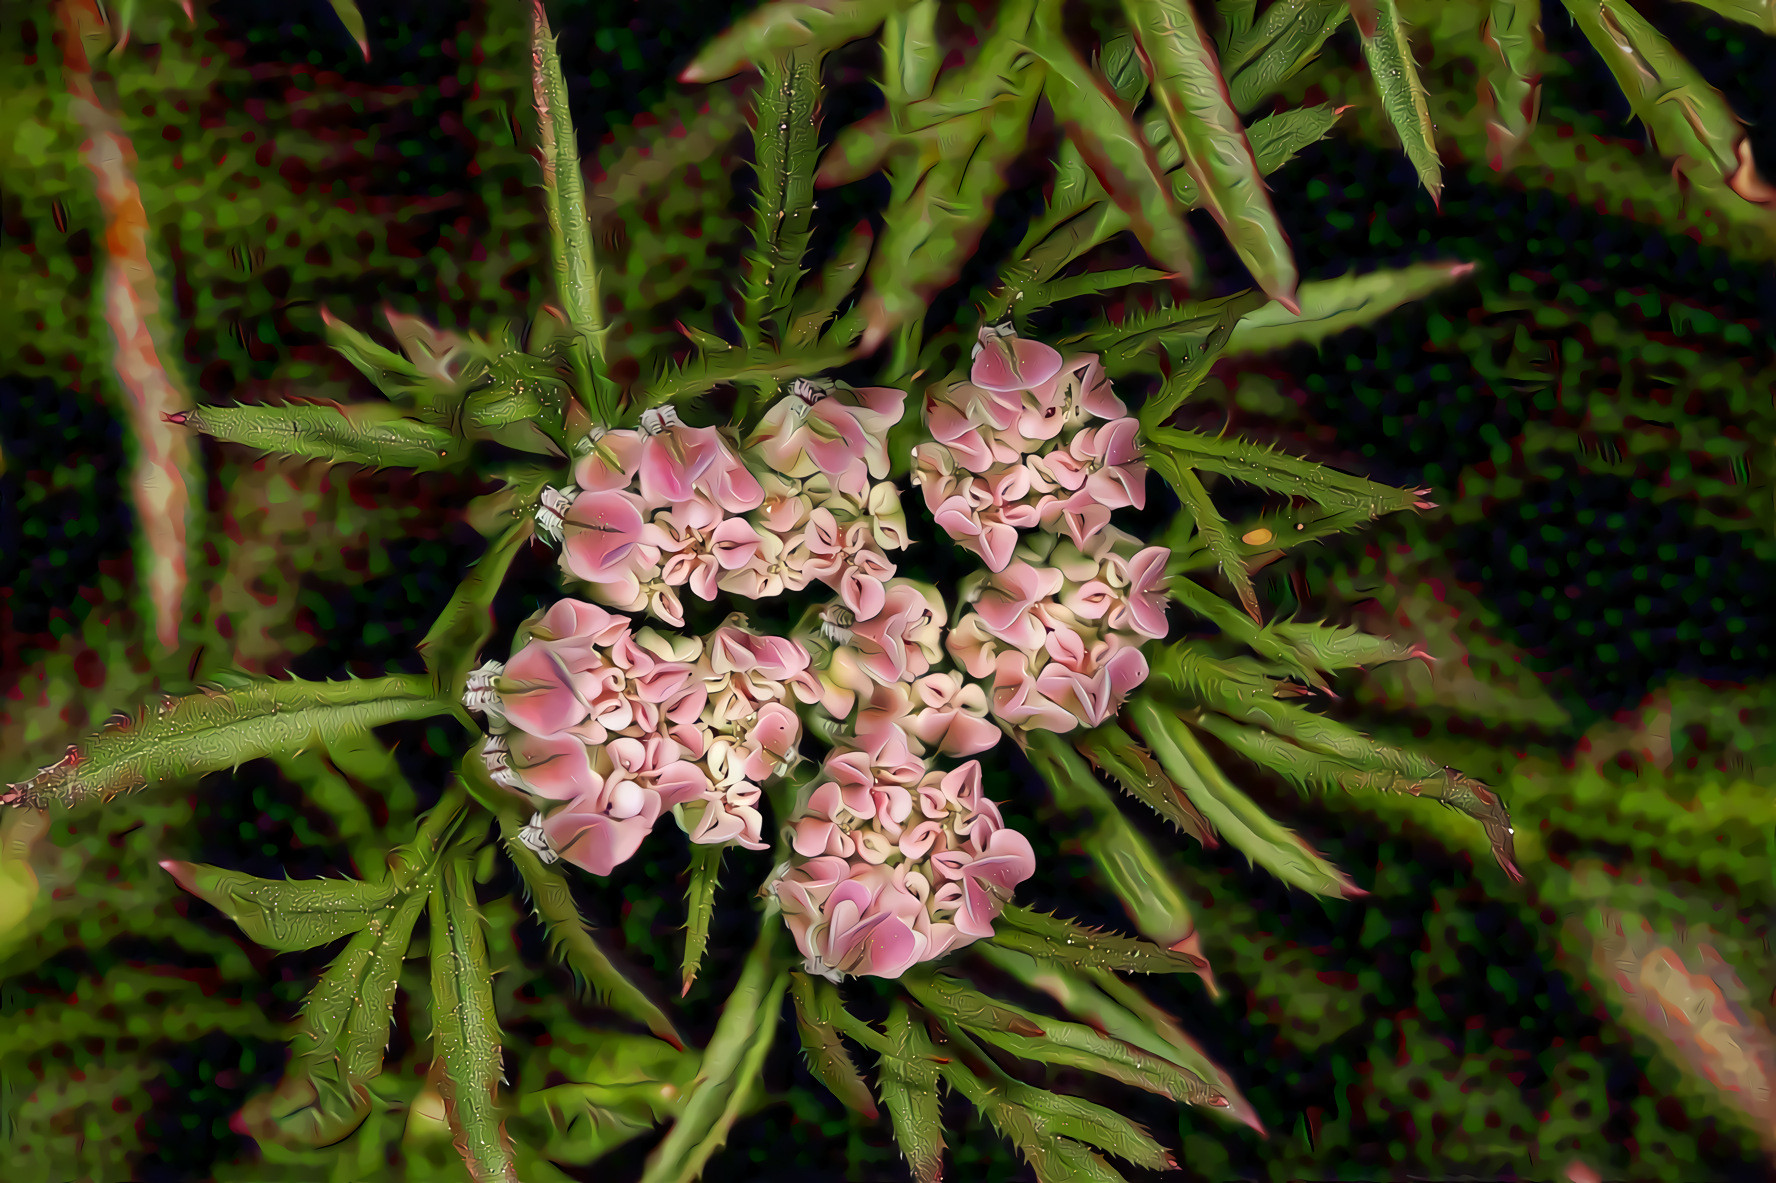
(624, 725)
(897, 865)
(670, 507)
(1029, 441)
(1059, 630)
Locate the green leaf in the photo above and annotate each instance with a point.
(1190, 91)
(574, 943)
(1124, 70)
(699, 909)
(377, 435)
(730, 1066)
(1131, 766)
(1330, 306)
(1128, 344)
(1098, 124)
(1123, 856)
(763, 363)
(570, 225)
(1211, 527)
(1255, 464)
(1329, 648)
(285, 915)
(1052, 1157)
(1062, 1044)
(1236, 816)
(1092, 1124)
(1389, 53)
(1236, 20)
(907, 1078)
(1513, 90)
(466, 1030)
(1064, 942)
(911, 54)
(783, 25)
(1283, 41)
(391, 373)
(454, 641)
(817, 302)
(579, 1123)
(1690, 121)
(1200, 361)
(1243, 629)
(353, 20)
(786, 144)
(828, 1060)
(323, 786)
(1759, 14)
(213, 730)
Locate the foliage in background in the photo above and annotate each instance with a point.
(1503, 681)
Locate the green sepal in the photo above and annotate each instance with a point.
(828, 1058)
(213, 730)
(288, 914)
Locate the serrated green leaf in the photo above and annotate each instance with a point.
(1124, 858)
(907, 1078)
(1258, 465)
(574, 943)
(1123, 68)
(1391, 65)
(1513, 91)
(376, 435)
(210, 731)
(817, 302)
(1125, 346)
(1131, 766)
(1190, 91)
(783, 25)
(1284, 39)
(1329, 648)
(911, 54)
(786, 144)
(1238, 627)
(730, 1066)
(391, 373)
(465, 1029)
(828, 1059)
(1236, 816)
(289, 914)
(1690, 121)
(699, 909)
(1236, 21)
(740, 365)
(1211, 527)
(1759, 14)
(1064, 942)
(1098, 124)
(1330, 306)
(1198, 362)
(1004, 1103)
(453, 643)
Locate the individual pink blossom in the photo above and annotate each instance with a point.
(952, 716)
(679, 461)
(869, 922)
(1101, 464)
(1019, 701)
(598, 831)
(846, 559)
(730, 810)
(1141, 605)
(773, 740)
(900, 643)
(549, 688)
(841, 435)
(1081, 391)
(653, 762)
(1090, 680)
(696, 551)
(559, 768)
(988, 881)
(778, 564)
(612, 462)
(972, 647)
(601, 537)
(1006, 600)
(1007, 362)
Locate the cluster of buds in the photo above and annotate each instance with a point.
(896, 865)
(671, 507)
(623, 725)
(1059, 631)
(1029, 441)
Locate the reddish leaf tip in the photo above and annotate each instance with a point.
(175, 417)
(1458, 270)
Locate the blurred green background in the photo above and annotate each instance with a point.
(1593, 411)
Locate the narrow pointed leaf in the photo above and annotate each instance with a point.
(699, 909)
(1064, 1044)
(1690, 121)
(1198, 363)
(1236, 816)
(907, 1078)
(1759, 14)
(828, 1059)
(377, 435)
(1266, 468)
(1124, 858)
(1284, 39)
(1124, 69)
(210, 731)
(1189, 89)
(1236, 20)
(285, 915)
(1513, 90)
(1236, 626)
(786, 143)
(729, 1067)
(1092, 1124)
(1211, 527)
(570, 225)
(391, 373)
(1130, 344)
(1132, 767)
(784, 25)
(465, 1029)
(817, 302)
(911, 53)
(740, 365)
(1098, 124)
(1389, 52)
(1330, 306)
(1051, 1156)
(574, 943)
(1329, 648)
(1053, 938)
(353, 20)
(453, 643)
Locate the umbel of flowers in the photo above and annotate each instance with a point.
(894, 858)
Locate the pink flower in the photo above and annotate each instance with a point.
(868, 923)
(972, 647)
(548, 688)
(1081, 390)
(1006, 601)
(697, 554)
(601, 537)
(653, 762)
(1018, 701)
(842, 435)
(612, 463)
(1092, 681)
(846, 560)
(953, 716)
(678, 461)
(900, 643)
(989, 880)
(985, 513)
(775, 566)
(558, 768)
(1007, 362)
(1142, 608)
(1104, 463)
(599, 831)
